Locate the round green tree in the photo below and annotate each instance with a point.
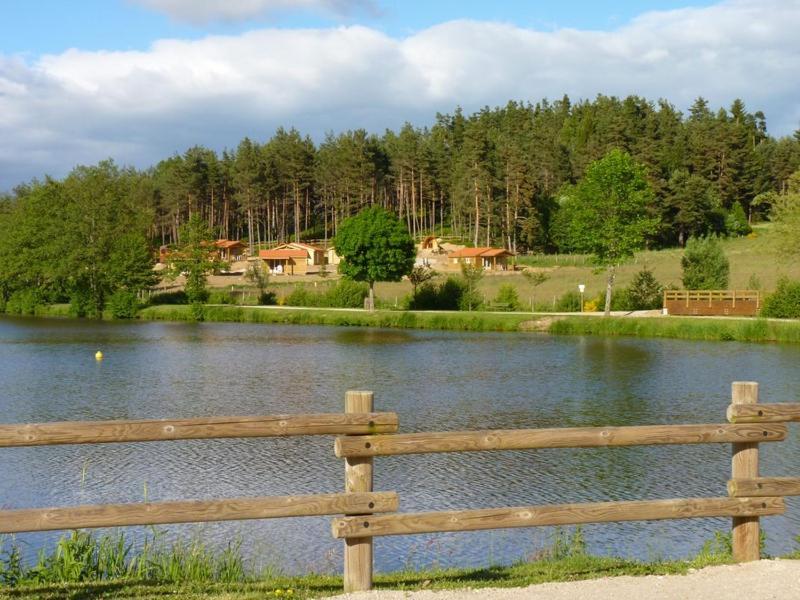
(607, 213)
(374, 245)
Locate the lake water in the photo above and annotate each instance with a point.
(433, 380)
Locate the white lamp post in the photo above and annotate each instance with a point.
(581, 289)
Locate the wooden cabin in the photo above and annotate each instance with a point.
(285, 261)
(230, 250)
(314, 254)
(490, 259)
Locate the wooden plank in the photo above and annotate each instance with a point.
(193, 511)
(764, 413)
(744, 465)
(101, 432)
(764, 486)
(557, 514)
(579, 437)
(358, 552)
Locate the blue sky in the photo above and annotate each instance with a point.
(51, 26)
(141, 80)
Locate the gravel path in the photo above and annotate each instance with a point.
(763, 580)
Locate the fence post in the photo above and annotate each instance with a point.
(358, 478)
(744, 465)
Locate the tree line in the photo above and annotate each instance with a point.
(493, 178)
(501, 176)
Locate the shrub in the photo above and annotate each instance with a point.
(569, 302)
(736, 221)
(267, 299)
(645, 292)
(123, 304)
(221, 297)
(507, 298)
(24, 302)
(347, 294)
(785, 302)
(445, 296)
(177, 297)
(705, 266)
(81, 304)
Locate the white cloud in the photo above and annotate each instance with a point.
(205, 11)
(142, 106)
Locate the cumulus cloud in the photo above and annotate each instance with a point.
(205, 11)
(140, 106)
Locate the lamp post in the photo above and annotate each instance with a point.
(581, 289)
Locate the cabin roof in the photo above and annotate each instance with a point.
(280, 253)
(473, 252)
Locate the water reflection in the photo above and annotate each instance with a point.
(434, 380)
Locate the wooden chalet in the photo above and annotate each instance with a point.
(230, 250)
(490, 259)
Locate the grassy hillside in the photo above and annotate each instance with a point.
(755, 255)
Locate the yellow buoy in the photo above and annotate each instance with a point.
(98, 355)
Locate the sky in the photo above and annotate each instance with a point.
(141, 80)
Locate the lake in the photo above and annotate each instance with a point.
(433, 380)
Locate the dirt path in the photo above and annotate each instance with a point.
(763, 580)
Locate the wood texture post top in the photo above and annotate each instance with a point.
(764, 413)
(578, 437)
(101, 432)
(556, 514)
(194, 511)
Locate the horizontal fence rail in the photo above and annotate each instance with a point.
(764, 486)
(554, 514)
(105, 432)
(763, 413)
(193, 511)
(365, 434)
(578, 437)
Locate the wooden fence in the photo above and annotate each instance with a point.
(366, 434)
(744, 303)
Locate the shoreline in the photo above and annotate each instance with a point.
(619, 325)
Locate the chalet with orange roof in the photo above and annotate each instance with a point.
(230, 250)
(285, 261)
(490, 259)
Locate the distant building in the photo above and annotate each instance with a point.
(286, 261)
(314, 254)
(490, 259)
(230, 250)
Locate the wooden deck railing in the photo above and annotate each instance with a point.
(712, 302)
(367, 434)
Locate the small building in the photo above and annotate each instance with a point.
(314, 254)
(490, 259)
(331, 258)
(230, 250)
(286, 261)
(431, 243)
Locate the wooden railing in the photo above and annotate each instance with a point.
(712, 302)
(368, 434)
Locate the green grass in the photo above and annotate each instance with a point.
(723, 330)
(58, 576)
(459, 321)
(684, 328)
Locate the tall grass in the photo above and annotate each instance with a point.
(723, 330)
(82, 556)
(458, 321)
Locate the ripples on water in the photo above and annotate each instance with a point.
(434, 380)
